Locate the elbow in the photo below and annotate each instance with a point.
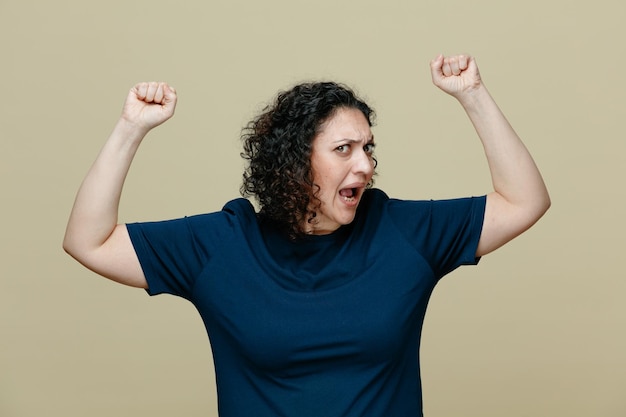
(539, 208)
(76, 250)
(68, 246)
(545, 205)
(74, 242)
(72, 246)
(528, 214)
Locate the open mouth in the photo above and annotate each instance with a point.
(349, 194)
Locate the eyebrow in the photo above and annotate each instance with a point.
(349, 140)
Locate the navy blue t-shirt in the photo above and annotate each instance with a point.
(325, 326)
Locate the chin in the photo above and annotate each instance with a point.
(346, 221)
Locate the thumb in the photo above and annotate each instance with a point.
(169, 94)
(436, 67)
(168, 102)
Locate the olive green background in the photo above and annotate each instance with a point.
(537, 329)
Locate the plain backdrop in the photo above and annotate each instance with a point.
(537, 329)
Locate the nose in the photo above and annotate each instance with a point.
(363, 163)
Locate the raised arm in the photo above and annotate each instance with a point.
(519, 196)
(93, 236)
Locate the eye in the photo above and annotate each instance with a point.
(369, 148)
(342, 148)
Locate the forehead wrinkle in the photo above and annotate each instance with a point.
(368, 139)
(345, 128)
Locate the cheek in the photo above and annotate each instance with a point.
(330, 178)
(320, 174)
(327, 175)
(326, 189)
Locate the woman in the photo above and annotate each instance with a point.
(314, 305)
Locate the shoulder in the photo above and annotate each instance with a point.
(240, 212)
(376, 201)
(239, 206)
(373, 197)
(440, 206)
(417, 214)
(204, 225)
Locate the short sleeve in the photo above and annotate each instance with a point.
(444, 232)
(172, 253)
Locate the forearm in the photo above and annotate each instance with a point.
(513, 171)
(95, 212)
(520, 196)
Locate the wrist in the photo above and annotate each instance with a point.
(130, 131)
(474, 97)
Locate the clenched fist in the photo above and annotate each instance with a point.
(455, 74)
(149, 104)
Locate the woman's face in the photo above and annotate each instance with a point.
(342, 165)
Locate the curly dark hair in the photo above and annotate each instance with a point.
(277, 145)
